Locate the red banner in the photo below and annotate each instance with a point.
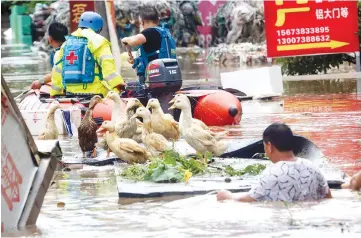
(208, 10)
(305, 27)
(76, 9)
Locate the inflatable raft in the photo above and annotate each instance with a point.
(214, 107)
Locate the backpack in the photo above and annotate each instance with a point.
(78, 62)
(167, 50)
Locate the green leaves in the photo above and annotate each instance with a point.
(253, 169)
(173, 168)
(164, 173)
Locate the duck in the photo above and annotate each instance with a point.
(51, 131)
(125, 127)
(163, 124)
(195, 121)
(118, 113)
(197, 137)
(124, 148)
(155, 143)
(87, 131)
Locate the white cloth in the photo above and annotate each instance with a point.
(289, 181)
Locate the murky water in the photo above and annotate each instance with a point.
(331, 120)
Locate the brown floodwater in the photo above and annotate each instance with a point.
(326, 112)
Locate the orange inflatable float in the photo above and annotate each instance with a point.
(218, 109)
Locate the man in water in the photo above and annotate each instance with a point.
(56, 38)
(154, 42)
(355, 182)
(289, 178)
(84, 65)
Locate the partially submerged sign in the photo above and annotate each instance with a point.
(24, 176)
(305, 27)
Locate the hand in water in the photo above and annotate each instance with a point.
(224, 195)
(36, 84)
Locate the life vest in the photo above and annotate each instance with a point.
(52, 53)
(99, 69)
(167, 50)
(78, 62)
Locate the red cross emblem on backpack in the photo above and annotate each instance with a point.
(71, 58)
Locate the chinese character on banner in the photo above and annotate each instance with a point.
(77, 10)
(281, 13)
(327, 14)
(10, 179)
(319, 14)
(344, 12)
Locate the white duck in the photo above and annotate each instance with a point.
(51, 131)
(195, 121)
(155, 143)
(118, 111)
(125, 125)
(197, 137)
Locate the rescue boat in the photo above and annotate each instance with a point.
(212, 105)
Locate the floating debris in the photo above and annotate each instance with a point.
(242, 53)
(60, 204)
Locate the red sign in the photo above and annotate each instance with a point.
(208, 10)
(305, 27)
(76, 9)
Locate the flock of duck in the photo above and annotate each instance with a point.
(125, 132)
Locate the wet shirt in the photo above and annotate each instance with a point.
(290, 181)
(153, 42)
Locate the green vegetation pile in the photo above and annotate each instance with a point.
(173, 168)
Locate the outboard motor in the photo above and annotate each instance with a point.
(163, 79)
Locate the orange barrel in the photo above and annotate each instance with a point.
(104, 110)
(218, 109)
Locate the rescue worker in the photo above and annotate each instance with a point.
(154, 42)
(56, 38)
(84, 65)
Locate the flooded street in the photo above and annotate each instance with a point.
(326, 112)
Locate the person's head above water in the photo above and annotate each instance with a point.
(278, 142)
(355, 182)
(57, 33)
(91, 20)
(149, 16)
